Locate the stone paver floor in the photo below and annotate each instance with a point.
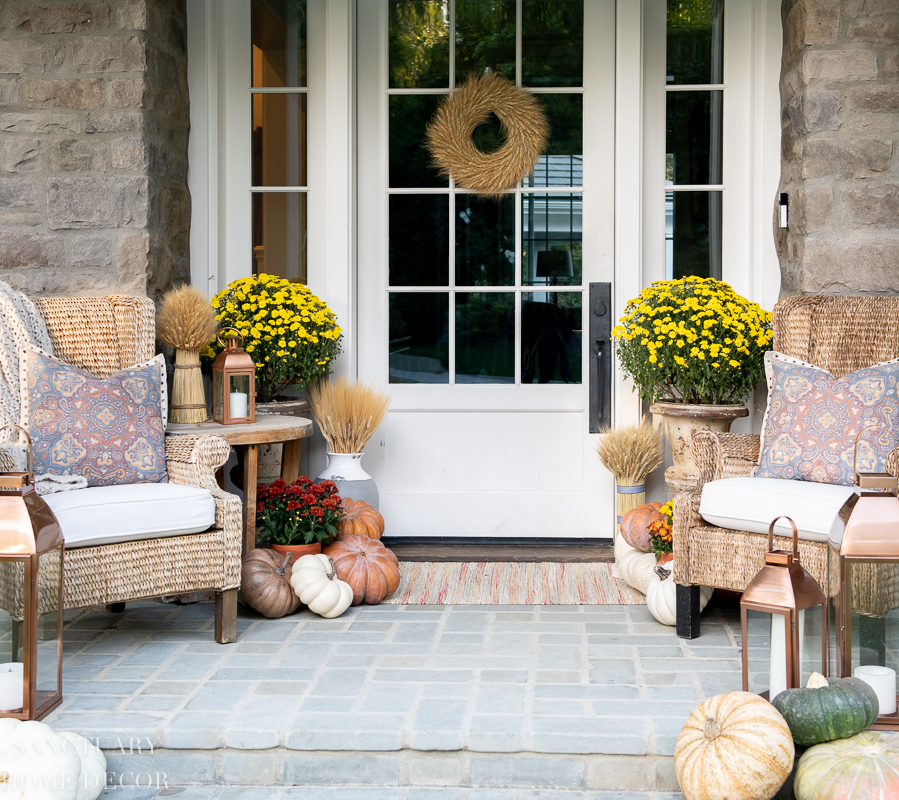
(574, 700)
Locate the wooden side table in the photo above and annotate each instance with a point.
(267, 429)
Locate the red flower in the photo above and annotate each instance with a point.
(331, 502)
(278, 484)
(260, 507)
(316, 511)
(308, 498)
(293, 505)
(317, 489)
(304, 479)
(329, 485)
(261, 491)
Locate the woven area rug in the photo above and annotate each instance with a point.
(511, 583)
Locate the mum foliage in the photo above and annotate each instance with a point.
(693, 340)
(290, 334)
(302, 512)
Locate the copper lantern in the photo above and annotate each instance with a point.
(783, 590)
(233, 381)
(868, 632)
(31, 575)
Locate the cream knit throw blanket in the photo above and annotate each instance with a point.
(20, 323)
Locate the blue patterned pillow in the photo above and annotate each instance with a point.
(110, 431)
(813, 418)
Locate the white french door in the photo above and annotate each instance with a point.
(475, 312)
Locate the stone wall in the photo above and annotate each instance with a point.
(94, 122)
(840, 147)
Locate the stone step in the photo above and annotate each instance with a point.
(396, 772)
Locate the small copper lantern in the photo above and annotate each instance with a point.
(869, 590)
(233, 382)
(31, 575)
(784, 590)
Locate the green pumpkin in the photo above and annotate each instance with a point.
(827, 710)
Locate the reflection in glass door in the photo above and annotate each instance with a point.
(485, 291)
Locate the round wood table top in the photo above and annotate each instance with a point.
(267, 429)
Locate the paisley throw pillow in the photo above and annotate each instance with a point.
(109, 431)
(813, 418)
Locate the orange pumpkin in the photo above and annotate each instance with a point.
(361, 520)
(371, 570)
(635, 525)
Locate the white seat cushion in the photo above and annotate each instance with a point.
(749, 504)
(110, 514)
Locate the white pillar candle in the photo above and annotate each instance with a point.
(883, 681)
(777, 678)
(238, 404)
(11, 686)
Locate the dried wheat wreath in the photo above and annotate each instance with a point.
(454, 153)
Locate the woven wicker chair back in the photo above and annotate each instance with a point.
(100, 334)
(840, 334)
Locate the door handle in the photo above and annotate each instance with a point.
(600, 405)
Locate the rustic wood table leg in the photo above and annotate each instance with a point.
(251, 460)
(290, 460)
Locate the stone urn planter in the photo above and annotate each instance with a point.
(681, 420)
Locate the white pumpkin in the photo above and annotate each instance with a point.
(37, 764)
(93, 766)
(661, 598)
(636, 568)
(315, 581)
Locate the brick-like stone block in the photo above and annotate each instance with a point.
(251, 769)
(848, 266)
(620, 772)
(876, 31)
(109, 54)
(90, 251)
(846, 158)
(26, 250)
(864, 8)
(108, 202)
(814, 111)
(27, 55)
(52, 122)
(536, 771)
(74, 281)
(126, 92)
(64, 94)
(131, 154)
(32, 17)
(19, 154)
(10, 92)
(889, 67)
(68, 155)
(822, 21)
(134, 271)
(113, 121)
(875, 207)
(131, 15)
(312, 768)
(439, 770)
(838, 65)
(18, 192)
(814, 209)
(875, 99)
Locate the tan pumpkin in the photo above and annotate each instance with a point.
(265, 583)
(371, 570)
(736, 746)
(635, 525)
(361, 519)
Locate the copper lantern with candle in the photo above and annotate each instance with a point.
(233, 381)
(31, 575)
(783, 590)
(868, 632)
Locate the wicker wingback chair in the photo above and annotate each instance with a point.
(103, 335)
(840, 334)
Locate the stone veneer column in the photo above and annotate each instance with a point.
(840, 146)
(94, 122)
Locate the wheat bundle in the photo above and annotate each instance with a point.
(348, 414)
(186, 322)
(630, 454)
(455, 154)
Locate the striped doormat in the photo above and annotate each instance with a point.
(511, 583)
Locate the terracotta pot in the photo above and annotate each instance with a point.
(681, 420)
(297, 550)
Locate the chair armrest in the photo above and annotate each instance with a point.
(724, 455)
(685, 517)
(193, 460)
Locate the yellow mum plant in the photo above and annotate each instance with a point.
(693, 340)
(290, 334)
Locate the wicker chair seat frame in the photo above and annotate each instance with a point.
(841, 335)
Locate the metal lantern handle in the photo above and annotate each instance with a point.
(795, 535)
(30, 457)
(858, 436)
(218, 336)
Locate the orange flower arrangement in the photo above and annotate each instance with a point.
(660, 531)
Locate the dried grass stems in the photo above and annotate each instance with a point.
(348, 414)
(632, 452)
(186, 322)
(455, 154)
(185, 319)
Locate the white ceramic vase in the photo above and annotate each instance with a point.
(345, 469)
